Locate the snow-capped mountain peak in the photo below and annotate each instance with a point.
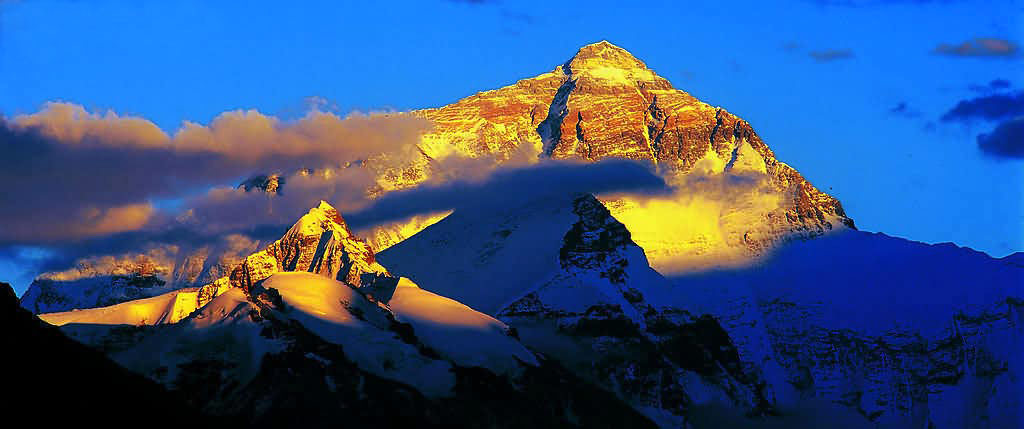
(608, 64)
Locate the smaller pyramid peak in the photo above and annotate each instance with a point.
(323, 217)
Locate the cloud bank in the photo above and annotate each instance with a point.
(93, 185)
(514, 185)
(71, 174)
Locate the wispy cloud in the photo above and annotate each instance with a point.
(993, 86)
(985, 47)
(904, 109)
(829, 55)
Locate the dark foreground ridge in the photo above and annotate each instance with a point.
(53, 380)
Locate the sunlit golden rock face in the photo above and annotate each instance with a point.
(321, 243)
(734, 199)
(604, 103)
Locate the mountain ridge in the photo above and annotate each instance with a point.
(314, 316)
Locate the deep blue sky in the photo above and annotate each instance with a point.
(904, 173)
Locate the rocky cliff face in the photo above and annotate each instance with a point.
(604, 103)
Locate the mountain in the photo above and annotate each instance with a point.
(746, 298)
(901, 334)
(52, 380)
(904, 333)
(735, 202)
(736, 199)
(312, 331)
(568, 277)
(892, 332)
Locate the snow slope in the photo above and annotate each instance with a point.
(319, 279)
(484, 259)
(226, 329)
(167, 308)
(338, 314)
(901, 333)
(459, 333)
(566, 275)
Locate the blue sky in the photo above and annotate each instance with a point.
(905, 173)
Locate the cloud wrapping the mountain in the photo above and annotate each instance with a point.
(1006, 141)
(229, 208)
(83, 183)
(548, 179)
(70, 174)
(980, 47)
(991, 107)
